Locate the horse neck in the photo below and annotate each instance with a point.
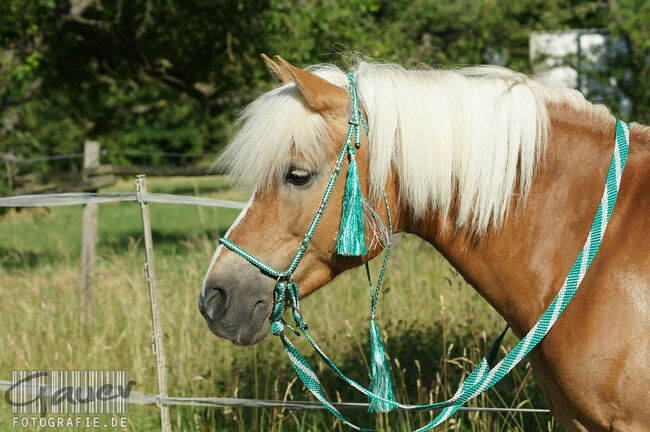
(520, 267)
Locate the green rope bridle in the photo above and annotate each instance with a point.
(484, 375)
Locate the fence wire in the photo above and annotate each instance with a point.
(163, 154)
(104, 152)
(75, 198)
(41, 158)
(138, 398)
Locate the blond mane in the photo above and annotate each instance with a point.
(474, 135)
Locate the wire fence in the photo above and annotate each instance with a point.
(79, 198)
(104, 152)
(162, 400)
(138, 398)
(17, 160)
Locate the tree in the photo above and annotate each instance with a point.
(170, 76)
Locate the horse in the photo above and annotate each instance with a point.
(500, 172)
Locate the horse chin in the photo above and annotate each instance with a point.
(248, 332)
(252, 334)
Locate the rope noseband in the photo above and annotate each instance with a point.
(351, 242)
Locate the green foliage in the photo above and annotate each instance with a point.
(171, 76)
(630, 20)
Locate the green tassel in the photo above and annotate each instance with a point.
(381, 383)
(351, 240)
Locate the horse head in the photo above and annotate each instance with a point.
(285, 150)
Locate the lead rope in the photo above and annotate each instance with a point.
(381, 383)
(483, 376)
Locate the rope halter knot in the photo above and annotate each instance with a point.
(282, 288)
(277, 323)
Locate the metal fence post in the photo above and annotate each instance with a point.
(150, 275)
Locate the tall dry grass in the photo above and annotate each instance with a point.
(436, 328)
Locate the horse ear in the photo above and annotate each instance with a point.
(319, 94)
(276, 70)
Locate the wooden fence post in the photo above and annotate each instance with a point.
(150, 275)
(88, 237)
(10, 176)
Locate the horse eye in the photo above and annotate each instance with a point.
(297, 176)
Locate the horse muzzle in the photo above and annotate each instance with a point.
(235, 311)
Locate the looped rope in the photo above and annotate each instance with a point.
(279, 299)
(356, 116)
(295, 306)
(374, 294)
(277, 323)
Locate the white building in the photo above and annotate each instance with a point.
(580, 59)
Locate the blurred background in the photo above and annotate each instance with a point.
(153, 86)
(169, 76)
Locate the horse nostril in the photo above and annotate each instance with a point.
(216, 303)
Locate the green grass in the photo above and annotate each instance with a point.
(437, 330)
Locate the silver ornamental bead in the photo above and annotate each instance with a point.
(304, 242)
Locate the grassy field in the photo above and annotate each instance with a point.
(438, 329)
